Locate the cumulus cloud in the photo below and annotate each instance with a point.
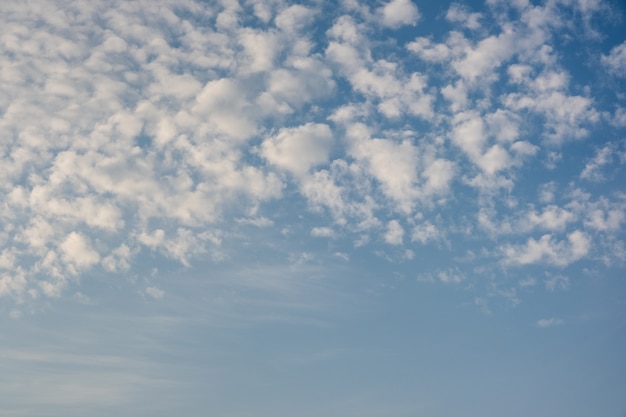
(78, 253)
(398, 13)
(459, 14)
(322, 232)
(551, 218)
(549, 250)
(299, 149)
(425, 232)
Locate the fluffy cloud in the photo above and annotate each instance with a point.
(549, 250)
(395, 233)
(299, 149)
(141, 129)
(398, 13)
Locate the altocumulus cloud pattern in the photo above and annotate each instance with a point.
(313, 208)
(160, 126)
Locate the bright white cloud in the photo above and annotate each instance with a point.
(299, 149)
(398, 13)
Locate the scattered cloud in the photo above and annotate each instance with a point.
(551, 322)
(615, 61)
(150, 132)
(155, 292)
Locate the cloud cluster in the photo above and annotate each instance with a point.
(162, 126)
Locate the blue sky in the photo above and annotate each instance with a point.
(264, 208)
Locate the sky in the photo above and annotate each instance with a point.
(271, 208)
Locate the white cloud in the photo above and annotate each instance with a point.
(602, 157)
(119, 259)
(262, 49)
(395, 233)
(459, 14)
(224, 103)
(294, 18)
(145, 131)
(488, 55)
(605, 220)
(76, 250)
(256, 221)
(428, 51)
(322, 232)
(551, 218)
(471, 136)
(425, 232)
(615, 61)
(557, 282)
(450, 276)
(300, 148)
(565, 115)
(13, 283)
(399, 13)
(548, 250)
(155, 292)
(445, 276)
(528, 282)
(551, 322)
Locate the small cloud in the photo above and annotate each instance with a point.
(322, 232)
(395, 233)
(551, 322)
(299, 259)
(549, 250)
(256, 221)
(342, 255)
(399, 13)
(82, 298)
(445, 276)
(154, 292)
(425, 232)
(527, 282)
(557, 282)
(459, 14)
(450, 276)
(361, 241)
(615, 61)
(592, 170)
